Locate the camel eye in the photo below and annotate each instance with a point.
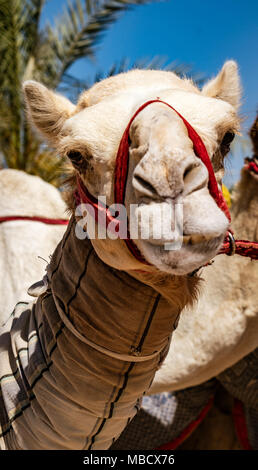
(228, 138)
(226, 141)
(75, 157)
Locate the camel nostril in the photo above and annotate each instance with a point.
(188, 170)
(145, 184)
(195, 177)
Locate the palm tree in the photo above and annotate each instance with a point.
(29, 52)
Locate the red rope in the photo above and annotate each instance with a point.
(44, 220)
(240, 424)
(199, 148)
(82, 195)
(252, 167)
(188, 430)
(242, 248)
(121, 169)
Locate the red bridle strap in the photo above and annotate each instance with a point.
(240, 247)
(251, 166)
(199, 148)
(121, 169)
(82, 195)
(44, 220)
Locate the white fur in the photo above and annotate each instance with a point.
(22, 242)
(218, 332)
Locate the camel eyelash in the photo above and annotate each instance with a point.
(226, 142)
(78, 160)
(75, 156)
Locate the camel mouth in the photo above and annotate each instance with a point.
(196, 238)
(192, 252)
(186, 239)
(189, 225)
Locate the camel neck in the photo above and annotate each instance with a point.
(105, 305)
(245, 208)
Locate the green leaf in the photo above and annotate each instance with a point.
(45, 54)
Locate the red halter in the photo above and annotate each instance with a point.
(199, 148)
(251, 165)
(242, 247)
(44, 220)
(82, 195)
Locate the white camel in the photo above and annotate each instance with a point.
(76, 362)
(23, 242)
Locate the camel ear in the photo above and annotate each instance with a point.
(46, 109)
(226, 85)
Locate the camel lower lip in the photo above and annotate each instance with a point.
(193, 239)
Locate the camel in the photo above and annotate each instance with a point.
(214, 343)
(76, 362)
(22, 242)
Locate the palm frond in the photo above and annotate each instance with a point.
(11, 68)
(28, 52)
(32, 13)
(78, 30)
(73, 86)
(46, 164)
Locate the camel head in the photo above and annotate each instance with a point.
(163, 169)
(245, 194)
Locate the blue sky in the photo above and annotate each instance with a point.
(199, 33)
